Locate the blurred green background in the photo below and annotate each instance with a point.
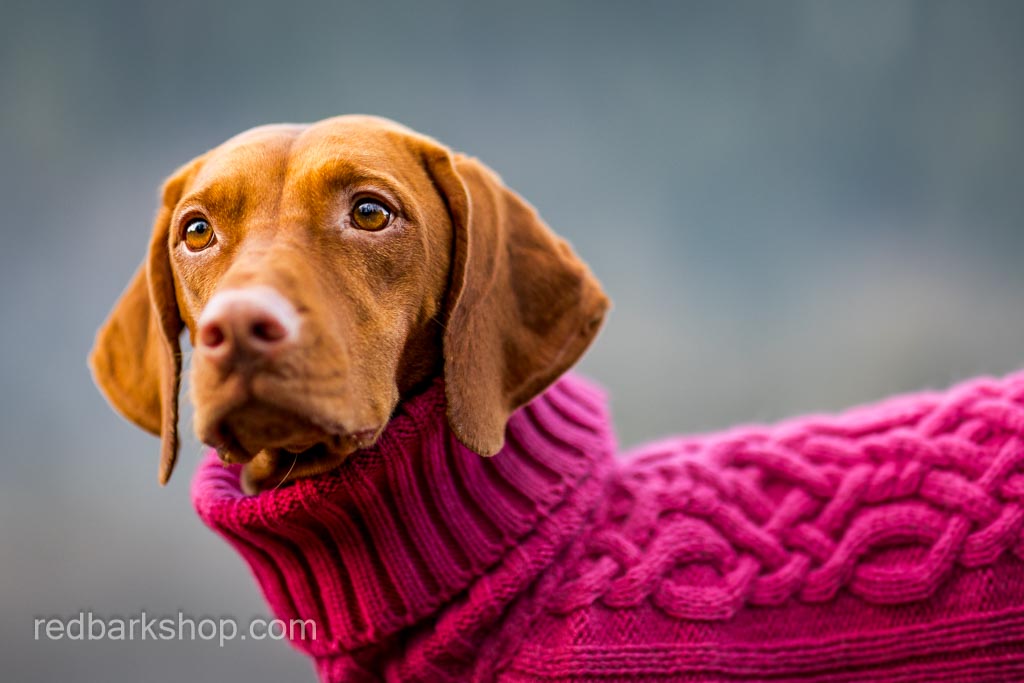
(795, 205)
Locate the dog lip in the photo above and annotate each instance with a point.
(340, 442)
(297, 448)
(364, 437)
(229, 450)
(217, 427)
(337, 443)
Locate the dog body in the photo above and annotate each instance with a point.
(371, 313)
(884, 544)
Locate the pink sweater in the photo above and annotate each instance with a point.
(881, 544)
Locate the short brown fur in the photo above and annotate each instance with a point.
(467, 281)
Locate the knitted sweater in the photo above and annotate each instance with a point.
(881, 544)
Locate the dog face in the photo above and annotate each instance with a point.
(323, 272)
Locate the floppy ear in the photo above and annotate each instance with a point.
(522, 307)
(136, 359)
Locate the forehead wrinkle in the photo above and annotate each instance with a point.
(225, 197)
(333, 175)
(328, 171)
(362, 150)
(289, 160)
(235, 180)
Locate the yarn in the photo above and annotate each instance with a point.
(884, 543)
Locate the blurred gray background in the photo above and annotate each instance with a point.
(795, 206)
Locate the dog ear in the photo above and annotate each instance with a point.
(136, 358)
(521, 308)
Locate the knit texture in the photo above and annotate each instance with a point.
(881, 544)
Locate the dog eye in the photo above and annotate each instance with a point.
(370, 215)
(198, 235)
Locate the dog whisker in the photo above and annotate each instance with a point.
(295, 459)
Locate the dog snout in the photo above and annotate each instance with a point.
(253, 323)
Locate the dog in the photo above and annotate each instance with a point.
(323, 273)
(371, 313)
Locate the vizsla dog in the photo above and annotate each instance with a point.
(324, 272)
(370, 313)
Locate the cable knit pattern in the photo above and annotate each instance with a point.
(799, 510)
(881, 544)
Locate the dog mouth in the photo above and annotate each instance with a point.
(333, 447)
(240, 434)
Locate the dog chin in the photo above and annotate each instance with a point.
(242, 432)
(272, 468)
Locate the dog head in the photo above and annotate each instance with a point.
(322, 273)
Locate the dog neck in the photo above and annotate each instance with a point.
(417, 539)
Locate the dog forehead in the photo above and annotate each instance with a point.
(356, 143)
(351, 145)
(247, 156)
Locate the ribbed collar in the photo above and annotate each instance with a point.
(403, 528)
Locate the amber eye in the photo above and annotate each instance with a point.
(198, 235)
(370, 215)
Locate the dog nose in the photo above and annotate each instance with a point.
(253, 323)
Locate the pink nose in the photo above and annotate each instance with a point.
(251, 323)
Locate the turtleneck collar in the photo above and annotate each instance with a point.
(417, 522)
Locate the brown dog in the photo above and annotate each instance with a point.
(324, 272)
